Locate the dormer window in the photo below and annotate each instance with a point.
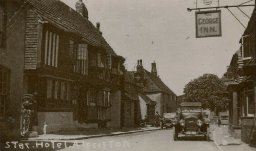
(247, 47)
(81, 65)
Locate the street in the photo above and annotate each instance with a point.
(161, 140)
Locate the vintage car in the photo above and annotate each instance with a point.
(224, 118)
(190, 121)
(169, 120)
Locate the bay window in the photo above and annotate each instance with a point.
(81, 59)
(247, 46)
(250, 106)
(51, 48)
(58, 90)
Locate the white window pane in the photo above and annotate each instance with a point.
(49, 49)
(57, 51)
(53, 50)
(46, 48)
(49, 88)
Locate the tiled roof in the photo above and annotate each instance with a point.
(129, 77)
(147, 99)
(59, 14)
(159, 83)
(130, 96)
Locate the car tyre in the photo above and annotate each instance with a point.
(175, 136)
(207, 138)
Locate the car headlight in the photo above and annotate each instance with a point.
(182, 122)
(199, 123)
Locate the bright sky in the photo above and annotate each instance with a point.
(164, 31)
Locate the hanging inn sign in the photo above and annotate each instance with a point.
(208, 24)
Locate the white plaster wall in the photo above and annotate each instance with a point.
(143, 107)
(157, 98)
(55, 121)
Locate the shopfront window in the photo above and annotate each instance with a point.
(250, 105)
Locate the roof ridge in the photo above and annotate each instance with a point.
(63, 16)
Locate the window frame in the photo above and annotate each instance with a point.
(51, 43)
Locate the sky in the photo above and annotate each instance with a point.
(164, 31)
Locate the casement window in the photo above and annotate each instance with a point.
(93, 59)
(108, 99)
(51, 48)
(109, 61)
(100, 61)
(247, 47)
(81, 59)
(91, 97)
(58, 90)
(72, 51)
(101, 113)
(249, 105)
(4, 89)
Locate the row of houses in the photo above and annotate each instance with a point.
(241, 83)
(55, 53)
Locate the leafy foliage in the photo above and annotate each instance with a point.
(208, 89)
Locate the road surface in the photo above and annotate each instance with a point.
(160, 140)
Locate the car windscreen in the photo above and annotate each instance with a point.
(224, 117)
(169, 115)
(191, 109)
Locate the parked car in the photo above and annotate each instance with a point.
(190, 121)
(224, 118)
(207, 116)
(169, 120)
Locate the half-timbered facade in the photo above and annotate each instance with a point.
(66, 64)
(242, 85)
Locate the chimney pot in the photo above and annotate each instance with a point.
(81, 9)
(98, 25)
(153, 69)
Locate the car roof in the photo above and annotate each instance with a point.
(190, 104)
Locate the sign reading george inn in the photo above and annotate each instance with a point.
(208, 24)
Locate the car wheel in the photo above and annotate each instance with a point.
(175, 137)
(206, 137)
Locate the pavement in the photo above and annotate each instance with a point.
(225, 142)
(64, 137)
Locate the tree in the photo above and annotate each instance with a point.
(209, 90)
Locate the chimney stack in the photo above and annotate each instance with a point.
(98, 27)
(153, 69)
(139, 66)
(81, 9)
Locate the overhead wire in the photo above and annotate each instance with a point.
(246, 2)
(236, 17)
(243, 12)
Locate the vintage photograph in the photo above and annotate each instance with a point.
(127, 75)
